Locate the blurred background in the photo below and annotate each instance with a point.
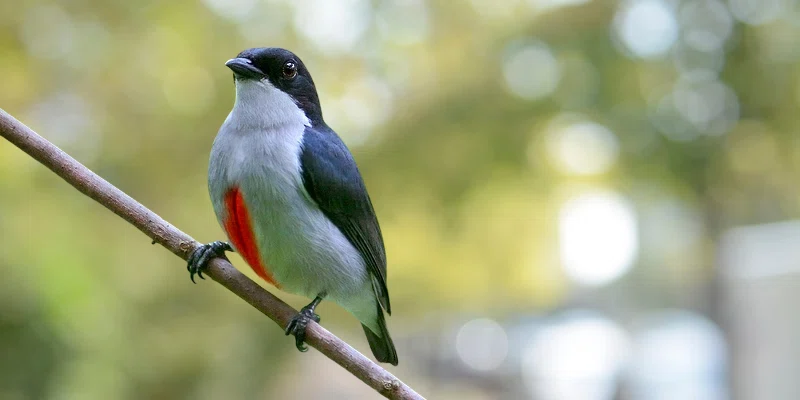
(581, 199)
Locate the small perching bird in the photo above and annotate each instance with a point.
(289, 195)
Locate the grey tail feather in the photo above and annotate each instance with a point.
(382, 346)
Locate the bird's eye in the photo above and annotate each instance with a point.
(289, 70)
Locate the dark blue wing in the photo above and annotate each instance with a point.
(331, 178)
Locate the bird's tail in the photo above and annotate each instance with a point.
(381, 344)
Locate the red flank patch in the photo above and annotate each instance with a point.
(240, 231)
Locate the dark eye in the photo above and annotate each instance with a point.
(289, 70)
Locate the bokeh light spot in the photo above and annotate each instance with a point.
(482, 344)
(708, 104)
(334, 26)
(707, 24)
(699, 104)
(598, 237)
(576, 358)
(581, 147)
(531, 71)
(678, 355)
(647, 28)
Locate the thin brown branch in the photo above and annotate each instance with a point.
(92, 185)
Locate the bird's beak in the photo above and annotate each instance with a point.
(244, 68)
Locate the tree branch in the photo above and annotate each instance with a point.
(181, 244)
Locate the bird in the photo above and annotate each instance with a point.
(291, 199)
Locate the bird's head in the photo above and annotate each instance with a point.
(267, 77)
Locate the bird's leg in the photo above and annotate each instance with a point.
(202, 255)
(297, 326)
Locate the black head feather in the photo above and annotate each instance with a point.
(287, 72)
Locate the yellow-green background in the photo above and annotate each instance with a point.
(459, 167)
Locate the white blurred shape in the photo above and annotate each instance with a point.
(598, 237)
(708, 104)
(578, 357)
(757, 12)
(698, 104)
(678, 355)
(334, 26)
(235, 10)
(647, 28)
(762, 251)
(482, 344)
(581, 147)
(48, 32)
(707, 24)
(404, 22)
(530, 70)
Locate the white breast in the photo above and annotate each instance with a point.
(258, 150)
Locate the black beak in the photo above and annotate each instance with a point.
(244, 68)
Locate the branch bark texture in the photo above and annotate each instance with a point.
(181, 244)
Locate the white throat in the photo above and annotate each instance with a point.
(261, 105)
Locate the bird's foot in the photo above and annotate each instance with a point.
(202, 255)
(297, 326)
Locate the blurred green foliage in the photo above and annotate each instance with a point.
(458, 167)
